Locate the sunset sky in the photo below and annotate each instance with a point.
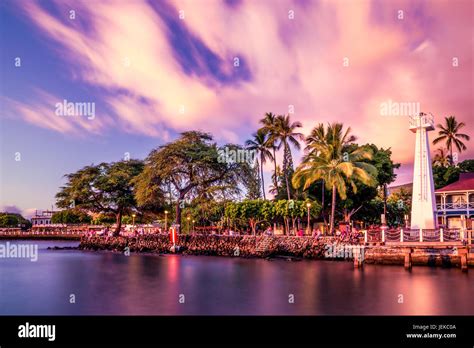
(157, 68)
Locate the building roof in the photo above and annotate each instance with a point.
(464, 183)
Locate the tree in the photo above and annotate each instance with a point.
(260, 146)
(333, 161)
(291, 210)
(467, 166)
(13, 220)
(385, 167)
(449, 133)
(71, 216)
(285, 134)
(252, 183)
(269, 128)
(441, 158)
(104, 188)
(193, 167)
(443, 176)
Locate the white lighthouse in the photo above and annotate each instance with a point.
(423, 203)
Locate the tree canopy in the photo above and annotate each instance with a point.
(102, 188)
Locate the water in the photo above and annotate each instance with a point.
(112, 283)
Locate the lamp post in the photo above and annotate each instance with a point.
(133, 221)
(188, 218)
(166, 220)
(193, 225)
(308, 205)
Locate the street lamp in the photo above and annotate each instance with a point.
(133, 222)
(308, 205)
(166, 220)
(193, 225)
(188, 218)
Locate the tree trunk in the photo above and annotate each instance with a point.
(323, 210)
(275, 180)
(118, 221)
(333, 209)
(451, 158)
(261, 174)
(285, 170)
(178, 212)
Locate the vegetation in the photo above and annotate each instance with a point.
(332, 159)
(13, 220)
(71, 216)
(104, 188)
(450, 134)
(191, 177)
(189, 166)
(260, 145)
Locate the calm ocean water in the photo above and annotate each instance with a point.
(112, 283)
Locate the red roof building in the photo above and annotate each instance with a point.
(455, 202)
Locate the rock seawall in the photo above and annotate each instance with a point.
(244, 246)
(264, 246)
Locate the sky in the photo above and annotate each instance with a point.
(153, 69)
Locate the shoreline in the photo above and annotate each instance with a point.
(40, 237)
(288, 247)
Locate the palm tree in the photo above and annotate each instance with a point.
(274, 189)
(333, 161)
(285, 134)
(318, 135)
(441, 158)
(450, 133)
(259, 144)
(268, 126)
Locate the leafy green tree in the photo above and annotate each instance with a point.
(71, 216)
(443, 176)
(450, 134)
(467, 166)
(289, 211)
(11, 220)
(192, 166)
(382, 161)
(104, 188)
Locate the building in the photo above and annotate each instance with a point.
(43, 219)
(455, 202)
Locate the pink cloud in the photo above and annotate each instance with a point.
(292, 61)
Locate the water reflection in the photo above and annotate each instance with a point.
(112, 283)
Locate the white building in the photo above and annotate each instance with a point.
(43, 219)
